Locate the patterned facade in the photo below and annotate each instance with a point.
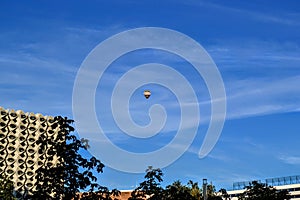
(19, 155)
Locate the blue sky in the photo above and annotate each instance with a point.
(255, 45)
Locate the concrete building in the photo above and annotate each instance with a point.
(124, 195)
(19, 156)
(289, 183)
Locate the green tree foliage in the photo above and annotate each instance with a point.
(260, 191)
(151, 189)
(73, 173)
(224, 194)
(211, 193)
(6, 189)
(177, 191)
(195, 190)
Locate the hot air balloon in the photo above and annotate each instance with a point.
(147, 94)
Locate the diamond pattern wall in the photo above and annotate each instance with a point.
(19, 157)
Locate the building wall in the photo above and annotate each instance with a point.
(124, 195)
(19, 156)
(294, 190)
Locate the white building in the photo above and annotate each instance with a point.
(19, 153)
(289, 183)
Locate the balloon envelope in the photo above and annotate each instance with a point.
(147, 93)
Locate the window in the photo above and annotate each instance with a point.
(12, 126)
(29, 173)
(13, 114)
(4, 118)
(32, 129)
(30, 162)
(11, 148)
(32, 117)
(11, 137)
(3, 112)
(31, 150)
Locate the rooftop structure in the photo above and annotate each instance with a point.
(289, 183)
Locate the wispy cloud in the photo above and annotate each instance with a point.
(263, 96)
(260, 77)
(38, 75)
(288, 159)
(279, 17)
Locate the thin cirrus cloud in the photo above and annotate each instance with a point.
(251, 95)
(247, 87)
(263, 96)
(260, 77)
(283, 17)
(247, 96)
(292, 160)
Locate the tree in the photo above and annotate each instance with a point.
(262, 191)
(152, 190)
(177, 191)
(211, 193)
(150, 187)
(195, 190)
(224, 194)
(73, 173)
(6, 189)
